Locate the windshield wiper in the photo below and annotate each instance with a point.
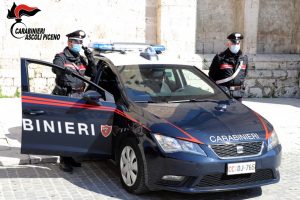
(151, 101)
(194, 100)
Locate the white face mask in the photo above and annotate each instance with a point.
(235, 48)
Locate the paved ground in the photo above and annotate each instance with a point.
(99, 180)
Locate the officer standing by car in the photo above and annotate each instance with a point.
(73, 62)
(68, 85)
(229, 68)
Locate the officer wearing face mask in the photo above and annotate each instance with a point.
(229, 68)
(68, 85)
(73, 62)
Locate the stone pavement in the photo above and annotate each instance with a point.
(41, 178)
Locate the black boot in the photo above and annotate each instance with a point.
(65, 164)
(74, 163)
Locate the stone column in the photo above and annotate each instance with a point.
(251, 10)
(176, 25)
(296, 31)
(151, 21)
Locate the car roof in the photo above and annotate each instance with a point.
(134, 58)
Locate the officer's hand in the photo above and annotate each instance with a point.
(87, 52)
(68, 71)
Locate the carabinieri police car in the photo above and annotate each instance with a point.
(166, 125)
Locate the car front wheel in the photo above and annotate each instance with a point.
(131, 167)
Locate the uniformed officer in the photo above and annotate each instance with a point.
(68, 85)
(72, 61)
(229, 68)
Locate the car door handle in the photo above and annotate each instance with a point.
(35, 112)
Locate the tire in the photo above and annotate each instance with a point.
(132, 172)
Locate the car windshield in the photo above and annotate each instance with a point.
(161, 83)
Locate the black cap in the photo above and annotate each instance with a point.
(76, 35)
(235, 37)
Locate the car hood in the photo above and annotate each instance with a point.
(208, 122)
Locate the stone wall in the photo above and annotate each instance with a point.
(215, 20)
(279, 33)
(271, 25)
(193, 30)
(272, 75)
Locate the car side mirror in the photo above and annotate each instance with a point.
(92, 96)
(225, 89)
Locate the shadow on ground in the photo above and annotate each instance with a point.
(282, 101)
(101, 177)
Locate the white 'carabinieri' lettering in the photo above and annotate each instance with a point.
(82, 128)
(27, 125)
(69, 128)
(46, 126)
(238, 137)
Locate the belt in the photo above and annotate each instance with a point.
(238, 87)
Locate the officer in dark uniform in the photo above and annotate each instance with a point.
(68, 85)
(72, 61)
(229, 68)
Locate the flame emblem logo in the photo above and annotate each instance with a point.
(16, 12)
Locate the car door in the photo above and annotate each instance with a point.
(63, 125)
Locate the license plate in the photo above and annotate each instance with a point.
(240, 168)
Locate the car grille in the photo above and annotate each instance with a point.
(227, 151)
(224, 180)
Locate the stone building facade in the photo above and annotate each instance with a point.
(193, 30)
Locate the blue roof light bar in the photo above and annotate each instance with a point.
(102, 46)
(126, 47)
(158, 48)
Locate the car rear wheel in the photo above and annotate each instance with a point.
(131, 167)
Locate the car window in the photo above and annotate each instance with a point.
(167, 82)
(42, 79)
(170, 74)
(195, 81)
(107, 80)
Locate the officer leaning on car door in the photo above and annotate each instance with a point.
(229, 68)
(68, 85)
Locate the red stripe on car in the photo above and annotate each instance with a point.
(268, 134)
(52, 102)
(190, 138)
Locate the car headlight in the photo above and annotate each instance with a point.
(170, 145)
(273, 140)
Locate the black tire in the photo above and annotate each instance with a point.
(138, 186)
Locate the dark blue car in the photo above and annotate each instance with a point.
(166, 125)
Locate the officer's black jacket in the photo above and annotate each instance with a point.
(76, 63)
(225, 64)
